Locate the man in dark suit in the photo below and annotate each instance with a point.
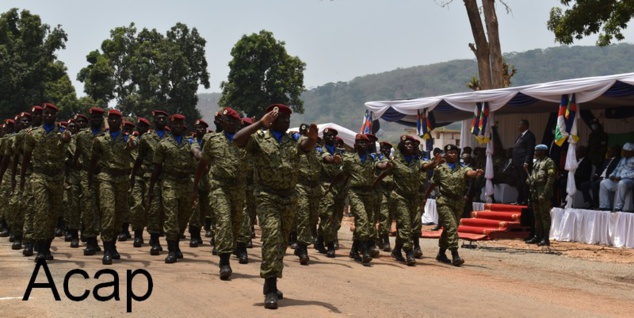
(604, 171)
(523, 157)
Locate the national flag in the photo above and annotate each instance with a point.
(424, 124)
(366, 127)
(483, 135)
(560, 130)
(571, 118)
(476, 120)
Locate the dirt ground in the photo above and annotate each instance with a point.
(504, 278)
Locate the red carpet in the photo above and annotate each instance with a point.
(496, 221)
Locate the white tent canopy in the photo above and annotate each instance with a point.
(342, 132)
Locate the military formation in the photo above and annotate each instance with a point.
(99, 175)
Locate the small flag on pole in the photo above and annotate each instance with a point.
(561, 132)
(475, 128)
(366, 127)
(483, 135)
(425, 124)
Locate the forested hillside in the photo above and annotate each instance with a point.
(342, 102)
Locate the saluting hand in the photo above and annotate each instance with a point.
(337, 158)
(313, 132)
(269, 118)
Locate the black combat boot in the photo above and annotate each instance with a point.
(107, 254)
(113, 250)
(270, 293)
(11, 237)
(319, 245)
(545, 240)
(4, 228)
(193, 231)
(354, 251)
(171, 252)
(373, 251)
(179, 254)
(330, 253)
(208, 228)
(138, 238)
(442, 257)
(243, 257)
(59, 229)
(418, 253)
(536, 239)
(302, 252)
(410, 260)
(67, 235)
(386, 243)
(41, 247)
(365, 251)
(47, 250)
(225, 268)
(155, 245)
(250, 243)
(396, 252)
(252, 231)
(457, 261)
(280, 294)
(74, 238)
(28, 248)
(90, 246)
(125, 233)
(17, 243)
(292, 240)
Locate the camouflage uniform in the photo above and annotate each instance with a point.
(113, 155)
(202, 210)
(540, 183)
(449, 201)
(386, 211)
(48, 155)
(72, 214)
(5, 183)
(276, 166)
(138, 217)
(177, 183)
(147, 146)
(309, 193)
(89, 202)
(24, 199)
(362, 193)
(331, 205)
(227, 191)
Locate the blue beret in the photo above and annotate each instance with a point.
(541, 147)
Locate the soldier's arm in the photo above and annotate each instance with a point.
(381, 176)
(242, 136)
(474, 173)
(14, 168)
(26, 159)
(308, 144)
(201, 169)
(94, 160)
(550, 175)
(78, 151)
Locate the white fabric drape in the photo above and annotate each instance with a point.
(488, 170)
(593, 227)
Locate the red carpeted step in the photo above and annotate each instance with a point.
(461, 235)
(504, 207)
(496, 215)
(478, 230)
(479, 222)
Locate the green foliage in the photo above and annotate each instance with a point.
(586, 17)
(262, 73)
(31, 73)
(148, 70)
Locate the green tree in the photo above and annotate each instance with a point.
(587, 17)
(262, 73)
(31, 73)
(148, 70)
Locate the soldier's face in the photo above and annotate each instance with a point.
(282, 122)
(160, 121)
(49, 116)
(81, 123)
(178, 127)
(386, 150)
(200, 130)
(25, 122)
(73, 128)
(96, 120)
(114, 122)
(330, 138)
(540, 153)
(142, 128)
(36, 118)
(229, 124)
(362, 146)
(451, 156)
(408, 146)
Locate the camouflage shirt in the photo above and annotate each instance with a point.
(84, 142)
(408, 177)
(48, 149)
(451, 182)
(361, 172)
(147, 145)
(226, 161)
(177, 159)
(310, 167)
(329, 170)
(113, 154)
(543, 174)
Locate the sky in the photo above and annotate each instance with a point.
(338, 40)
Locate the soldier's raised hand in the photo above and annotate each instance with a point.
(269, 118)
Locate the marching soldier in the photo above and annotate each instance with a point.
(202, 210)
(72, 187)
(540, 182)
(138, 215)
(386, 214)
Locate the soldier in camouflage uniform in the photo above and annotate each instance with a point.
(276, 159)
(110, 163)
(249, 202)
(128, 129)
(138, 217)
(540, 182)
(89, 195)
(309, 193)
(386, 212)
(227, 190)
(202, 208)
(8, 130)
(174, 161)
(450, 178)
(145, 163)
(45, 148)
(72, 188)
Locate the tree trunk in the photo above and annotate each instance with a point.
(481, 46)
(495, 51)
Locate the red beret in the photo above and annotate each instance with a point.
(9, 121)
(36, 109)
(362, 137)
(201, 122)
(247, 121)
(177, 117)
(17, 117)
(338, 139)
(143, 120)
(49, 106)
(372, 137)
(81, 116)
(411, 138)
(115, 112)
(330, 131)
(63, 123)
(280, 107)
(159, 112)
(23, 114)
(231, 113)
(128, 123)
(96, 110)
(72, 120)
(385, 143)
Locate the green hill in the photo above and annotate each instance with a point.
(342, 102)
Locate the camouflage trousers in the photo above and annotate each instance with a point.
(89, 205)
(330, 214)
(202, 209)
(406, 209)
(449, 212)
(138, 217)
(361, 207)
(541, 211)
(386, 214)
(72, 192)
(231, 220)
(15, 211)
(5, 192)
(25, 205)
(177, 205)
(249, 204)
(307, 212)
(275, 213)
(155, 212)
(48, 194)
(113, 204)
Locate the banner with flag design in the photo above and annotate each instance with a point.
(425, 124)
(566, 123)
(366, 126)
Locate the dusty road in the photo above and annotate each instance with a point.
(499, 279)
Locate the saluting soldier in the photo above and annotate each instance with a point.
(449, 177)
(249, 202)
(89, 197)
(110, 164)
(227, 190)
(540, 182)
(44, 147)
(276, 164)
(173, 161)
